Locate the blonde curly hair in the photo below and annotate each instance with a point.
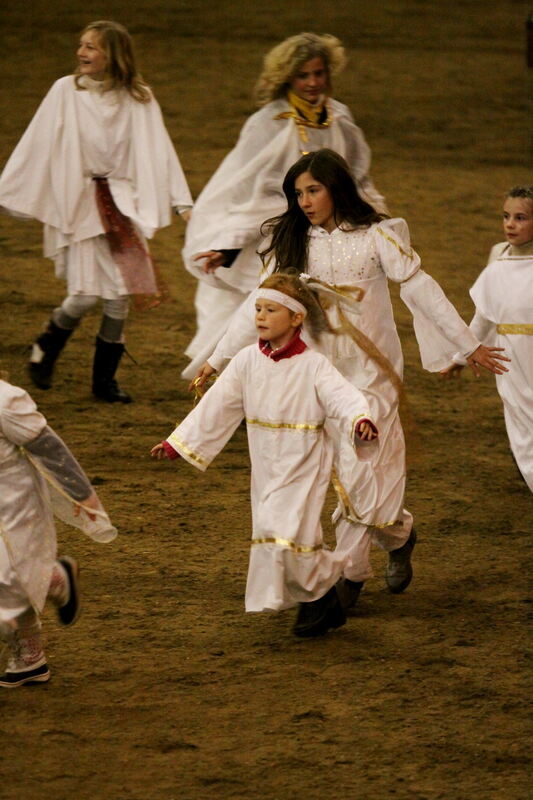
(282, 63)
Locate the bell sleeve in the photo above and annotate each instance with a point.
(347, 405)
(439, 330)
(209, 426)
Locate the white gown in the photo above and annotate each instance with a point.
(32, 490)
(286, 404)
(372, 494)
(503, 296)
(75, 135)
(245, 190)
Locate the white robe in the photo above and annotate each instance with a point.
(75, 135)
(372, 493)
(31, 492)
(503, 295)
(245, 190)
(286, 404)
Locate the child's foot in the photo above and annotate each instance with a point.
(348, 592)
(12, 679)
(65, 591)
(399, 571)
(318, 616)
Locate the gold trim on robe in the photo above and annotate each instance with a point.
(297, 426)
(395, 243)
(289, 545)
(525, 329)
(173, 440)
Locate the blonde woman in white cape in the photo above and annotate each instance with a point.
(298, 114)
(96, 166)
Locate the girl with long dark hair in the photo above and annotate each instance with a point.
(344, 249)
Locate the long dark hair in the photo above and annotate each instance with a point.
(289, 230)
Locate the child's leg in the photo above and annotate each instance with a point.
(48, 346)
(27, 661)
(109, 351)
(64, 590)
(353, 543)
(399, 541)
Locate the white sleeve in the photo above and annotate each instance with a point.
(439, 329)
(393, 244)
(346, 404)
(483, 329)
(20, 420)
(204, 432)
(240, 333)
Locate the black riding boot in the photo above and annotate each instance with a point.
(46, 350)
(106, 360)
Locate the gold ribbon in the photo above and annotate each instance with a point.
(525, 330)
(295, 426)
(289, 545)
(302, 124)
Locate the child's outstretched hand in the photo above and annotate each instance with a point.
(488, 357)
(89, 502)
(158, 451)
(366, 431)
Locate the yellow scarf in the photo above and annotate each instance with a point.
(304, 109)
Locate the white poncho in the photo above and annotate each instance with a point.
(75, 135)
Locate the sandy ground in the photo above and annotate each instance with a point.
(166, 690)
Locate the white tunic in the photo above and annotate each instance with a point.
(29, 497)
(503, 296)
(372, 493)
(245, 190)
(75, 135)
(286, 404)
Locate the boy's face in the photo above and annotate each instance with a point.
(518, 220)
(275, 323)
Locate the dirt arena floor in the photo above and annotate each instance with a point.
(166, 690)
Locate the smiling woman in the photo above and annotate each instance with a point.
(123, 177)
(92, 59)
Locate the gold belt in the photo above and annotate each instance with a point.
(523, 329)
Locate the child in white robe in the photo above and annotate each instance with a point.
(39, 477)
(97, 167)
(347, 250)
(288, 394)
(297, 114)
(503, 297)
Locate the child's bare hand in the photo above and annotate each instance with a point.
(158, 451)
(366, 431)
(203, 375)
(488, 357)
(453, 371)
(89, 502)
(213, 260)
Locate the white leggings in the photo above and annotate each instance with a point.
(75, 306)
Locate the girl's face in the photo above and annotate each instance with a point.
(91, 58)
(311, 80)
(316, 201)
(518, 220)
(275, 323)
